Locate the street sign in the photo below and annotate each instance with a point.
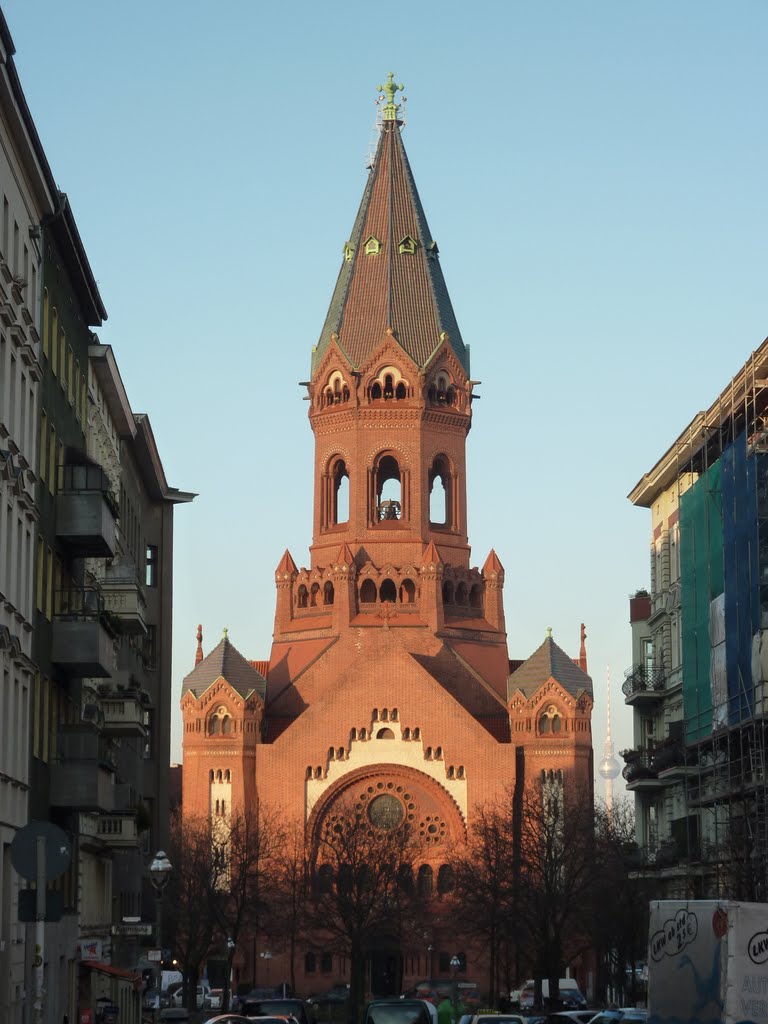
(54, 905)
(144, 928)
(155, 954)
(58, 850)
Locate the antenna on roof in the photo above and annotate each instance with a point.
(374, 137)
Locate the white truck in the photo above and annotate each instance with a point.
(708, 962)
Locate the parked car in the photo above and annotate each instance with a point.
(274, 1007)
(202, 1000)
(571, 1017)
(625, 1015)
(228, 1018)
(400, 1011)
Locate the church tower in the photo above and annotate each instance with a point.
(389, 685)
(390, 406)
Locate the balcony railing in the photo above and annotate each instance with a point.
(118, 830)
(642, 682)
(123, 597)
(82, 635)
(86, 511)
(639, 772)
(124, 714)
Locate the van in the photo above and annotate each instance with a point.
(570, 994)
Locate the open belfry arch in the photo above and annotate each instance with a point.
(389, 685)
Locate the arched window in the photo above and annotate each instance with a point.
(314, 594)
(389, 388)
(544, 724)
(340, 496)
(302, 598)
(406, 734)
(438, 753)
(214, 726)
(451, 772)
(405, 878)
(384, 715)
(368, 592)
(557, 723)
(440, 492)
(340, 754)
(211, 775)
(331, 754)
(226, 725)
(389, 499)
(388, 591)
(328, 593)
(218, 775)
(428, 754)
(407, 592)
(447, 592)
(475, 596)
(324, 879)
(385, 734)
(228, 775)
(376, 390)
(394, 715)
(400, 391)
(445, 879)
(425, 882)
(353, 734)
(461, 593)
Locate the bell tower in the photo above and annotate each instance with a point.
(390, 406)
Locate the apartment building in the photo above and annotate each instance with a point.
(697, 685)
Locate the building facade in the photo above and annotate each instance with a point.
(697, 682)
(86, 560)
(389, 682)
(26, 198)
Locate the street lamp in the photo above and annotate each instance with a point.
(455, 965)
(228, 979)
(266, 956)
(159, 871)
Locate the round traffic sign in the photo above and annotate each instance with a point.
(58, 850)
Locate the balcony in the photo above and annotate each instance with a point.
(123, 597)
(83, 773)
(124, 714)
(639, 773)
(82, 633)
(642, 685)
(86, 511)
(673, 761)
(118, 831)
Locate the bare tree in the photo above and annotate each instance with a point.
(485, 889)
(290, 895)
(557, 875)
(360, 887)
(191, 895)
(246, 847)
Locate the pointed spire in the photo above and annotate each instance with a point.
(583, 649)
(199, 651)
(492, 566)
(431, 555)
(390, 276)
(345, 556)
(286, 567)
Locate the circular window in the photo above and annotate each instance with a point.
(386, 812)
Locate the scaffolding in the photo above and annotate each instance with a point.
(724, 626)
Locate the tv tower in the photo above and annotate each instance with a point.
(609, 766)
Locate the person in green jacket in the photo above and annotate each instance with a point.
(445, 1012)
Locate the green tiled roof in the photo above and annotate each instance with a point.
(402, 290)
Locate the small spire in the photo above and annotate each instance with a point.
(583, 649)
(390, 88)
(225, 633)
(549, 632)
(199, 651)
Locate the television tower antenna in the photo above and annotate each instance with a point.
(609, 766)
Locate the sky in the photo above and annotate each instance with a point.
(594, 174)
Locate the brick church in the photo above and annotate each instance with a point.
(389, 678)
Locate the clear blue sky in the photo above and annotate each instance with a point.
(594, 174)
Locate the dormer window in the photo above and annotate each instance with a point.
(407, 246)
(349, 252)
(372, 246)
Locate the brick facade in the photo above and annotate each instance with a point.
(389, 667)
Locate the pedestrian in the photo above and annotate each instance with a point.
(445, 1012)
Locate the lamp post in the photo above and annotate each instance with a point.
(228, 980)
(266, 956)
(455, 965)
(159, 871)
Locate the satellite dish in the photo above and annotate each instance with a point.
(58, 850)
